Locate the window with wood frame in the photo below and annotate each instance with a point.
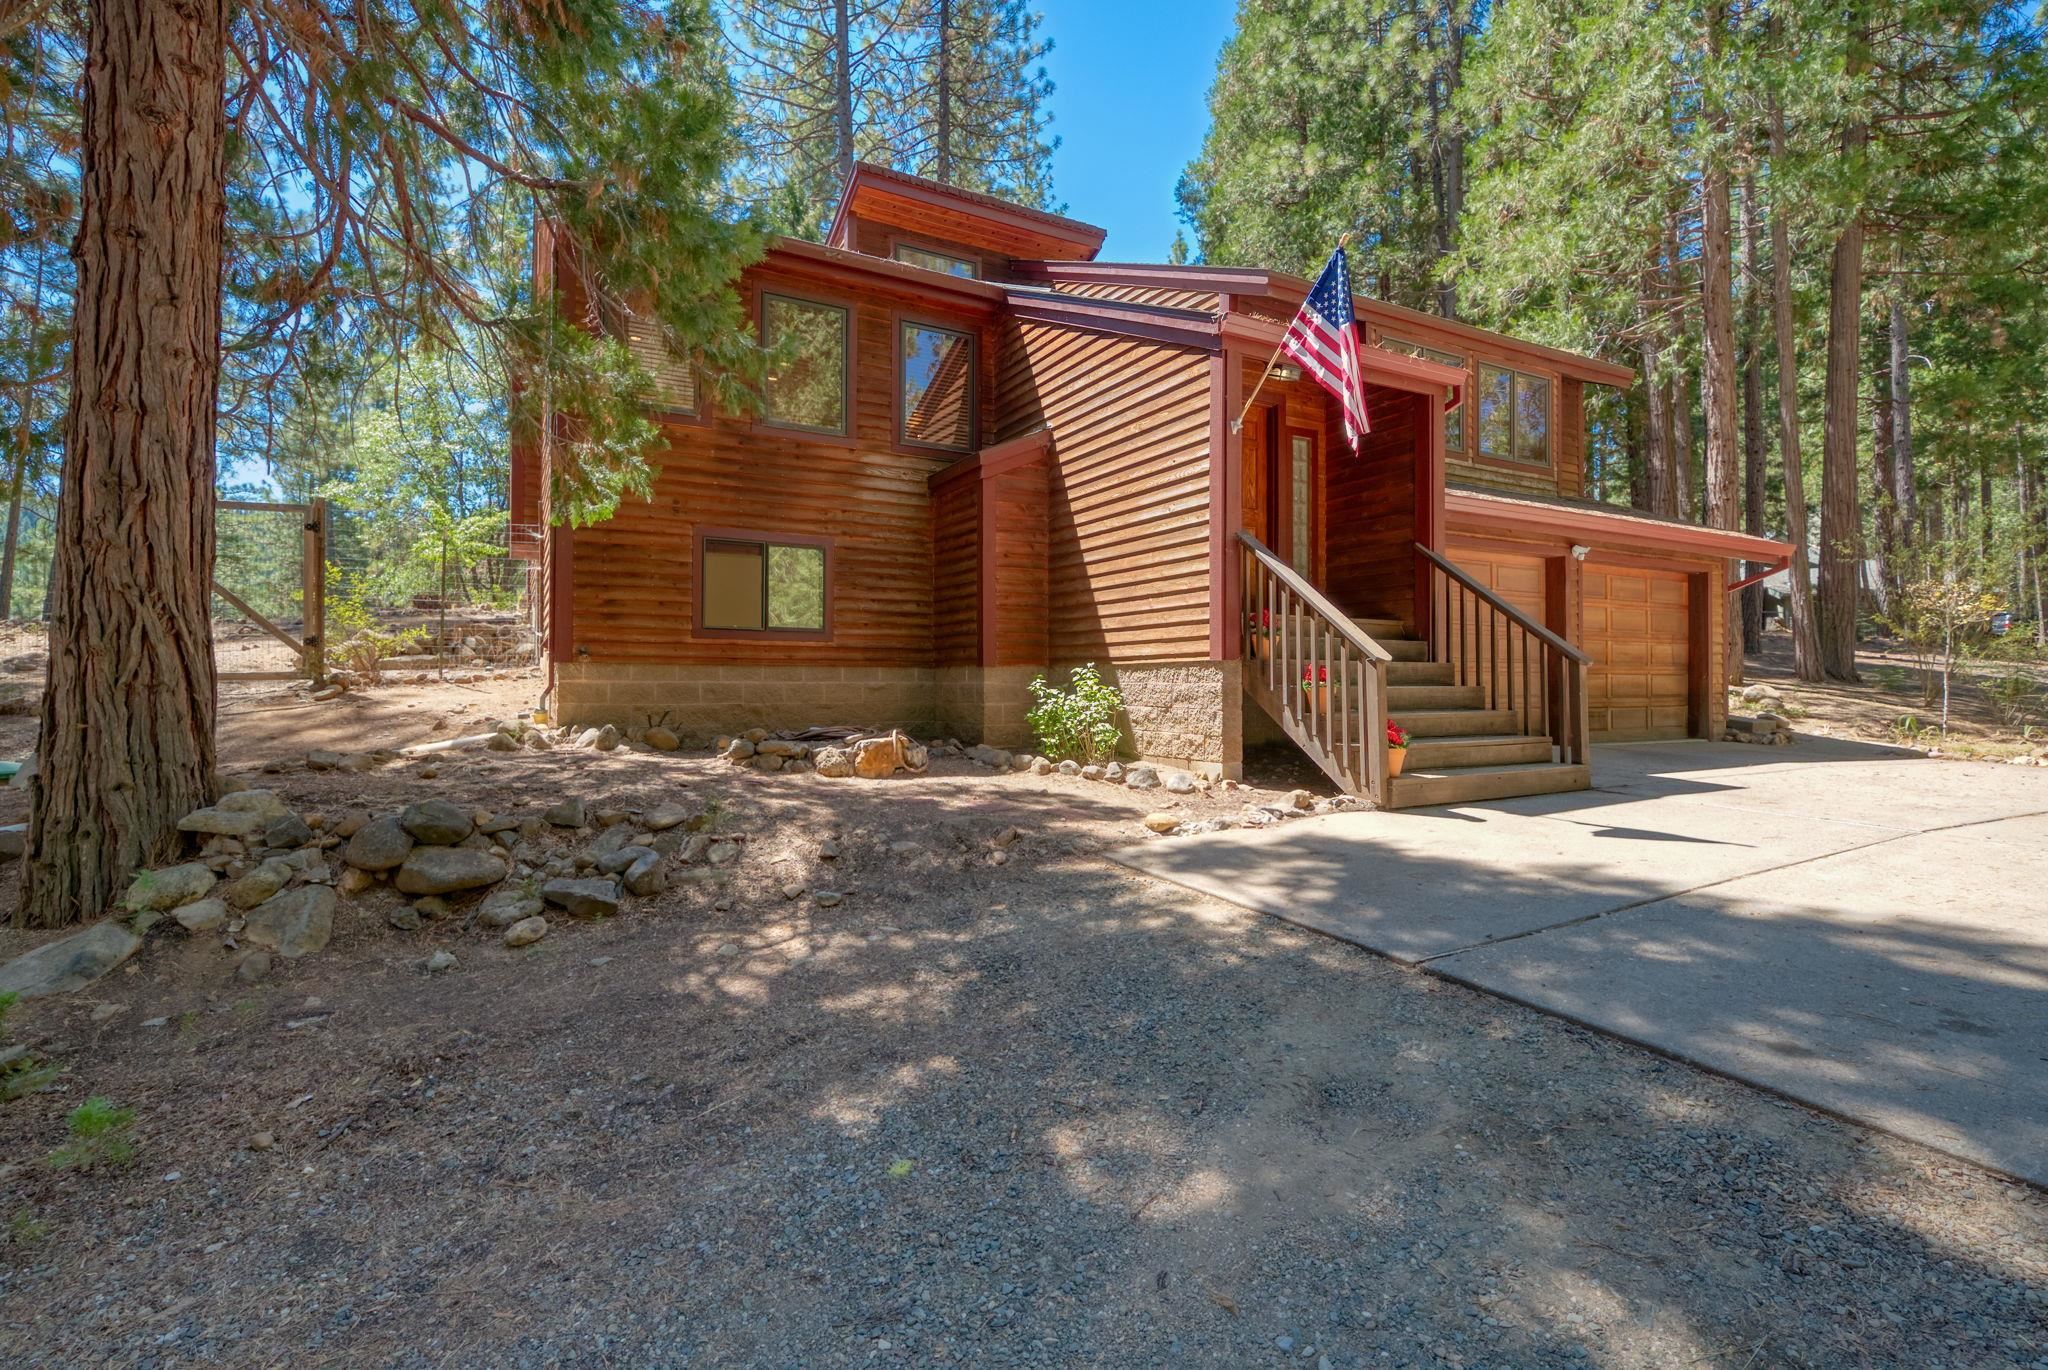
(1454, 420)
(765, 585)
(675, 379)
(1514, 416)
(935, 386)
(807, 387)
(936, 261)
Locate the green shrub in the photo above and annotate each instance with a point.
(101, 1134)
(1078, 723)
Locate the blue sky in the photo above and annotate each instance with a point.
(1131, 106)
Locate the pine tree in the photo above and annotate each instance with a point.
(975, 112)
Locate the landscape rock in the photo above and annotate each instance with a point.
(570, 813)
(607, 738)
(215, 820)
(1091, 772)
(405, 918)
(1162, 822)
(201, 915)
(436, 823)
(502, 908)
(354, 881)
(1142, 778)
(776, 746)
(662, 740)
(666, 817)
(621, 856)
(322, 760)
(1114, 772)
(834, 763)
(288, 831)
(1040, 766)
(526, 931)
(1300, 799)
(1021, 761)
(441, 960)
(69, 963)
(826, 899)
(877, 758)
(253, 967)
(587, 898)
(293, 924)
(768, 761)
(1069, 767)
(378, 845)
(358, 762)
(645, 876)
(1179, 782)
(444, 870)
(168, 888)
(251, 889)
(722, 853)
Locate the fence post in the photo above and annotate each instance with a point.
(313, 594)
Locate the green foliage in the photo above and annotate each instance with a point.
(367, 649)
(2017, 696)
(101, 1134)
(1077, 723)
(26, 1229)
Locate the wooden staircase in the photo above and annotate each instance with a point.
(1493, 703)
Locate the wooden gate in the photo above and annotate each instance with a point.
(307, 543)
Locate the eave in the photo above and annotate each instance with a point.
(1480, 510)
(1087, 238)
(1184, 327)
(841, 264)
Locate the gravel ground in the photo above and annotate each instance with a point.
(1037, 1113)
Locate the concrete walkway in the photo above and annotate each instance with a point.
(1853, 926)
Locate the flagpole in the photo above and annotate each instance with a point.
(1237, 424)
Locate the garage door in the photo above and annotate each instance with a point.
(1518, 579)
(1638, 630)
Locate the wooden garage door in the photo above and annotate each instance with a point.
(1638, 630)
(1521, 581)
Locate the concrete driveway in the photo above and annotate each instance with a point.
(1855, 927)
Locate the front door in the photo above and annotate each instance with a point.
(1261, 477)
(1279, 488)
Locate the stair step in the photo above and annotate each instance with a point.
(1456, 722)
(1405, 648)
(1502, 749)
(1420, 673)
(1377, 628)
(1473, 784)
(1402, 697)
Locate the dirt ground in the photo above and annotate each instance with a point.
(1041, 1112)
(1895, 686)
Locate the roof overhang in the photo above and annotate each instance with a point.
(1185, 327)
(1601, 525)
(1396, 370)
(869, 187)
(993, 460)
(842, 264)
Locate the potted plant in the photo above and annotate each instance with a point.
(1315, 684)
(1262, 634)
(1397, 748)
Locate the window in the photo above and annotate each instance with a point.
(1301, 482)
(1454, 421)
(936, 387)
(761, 586)
(1514, 416)
(675, 380)
(935, 261)
(807, 387)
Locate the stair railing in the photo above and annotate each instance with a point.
(1320, 677)
(1522, 667)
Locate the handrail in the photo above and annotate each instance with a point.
(1292, 579)
(1514, 615)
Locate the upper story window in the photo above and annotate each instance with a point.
(675, 380)
(936, 261)
(1454, 421)
(1514, 416)
(936, 387)
(808, 387)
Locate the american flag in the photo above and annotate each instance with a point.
(1324, 339)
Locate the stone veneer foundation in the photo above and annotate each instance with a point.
(1187, 714)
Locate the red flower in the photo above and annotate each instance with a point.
(1312, 676)
(1397, 736)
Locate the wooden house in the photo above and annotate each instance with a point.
(996, 456)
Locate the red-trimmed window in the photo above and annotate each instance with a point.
(1514, 416)
(935, 391)
(807, 388)
(766, 584)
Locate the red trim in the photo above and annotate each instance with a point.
(1189, 330)
(562, 597)
(1019, 218)
(701, 534)
(838, 263)
(1782, 564)
(1482, 510)
(993, 461)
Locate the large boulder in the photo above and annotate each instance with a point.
(379, 845)
(584, 898)
(445, 870)
(834, 763)
(70, 962)
(257, 885)
(168, 888)
(435, 823)
(293, 924)
(877, 758)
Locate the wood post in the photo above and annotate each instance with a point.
(313, 594)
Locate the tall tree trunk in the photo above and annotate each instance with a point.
(842, 87)
(1755, 484)
(943, 97)
(20, 479)
(1806, 662)
(127, 745)
(1840, 524)
(2037, 525)
(1905, 488)
(1717, 338)
(1447, 152)
(1638, 475)
(1657, 488)
(1884, 517)
(1684, 470)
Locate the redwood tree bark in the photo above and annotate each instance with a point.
(1754, 491)
(1717, 339)
(128, 714)
(1841, 528)
(1805, 633)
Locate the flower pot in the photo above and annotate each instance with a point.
(1315, 699)
(1397, 757)
(1261, 644)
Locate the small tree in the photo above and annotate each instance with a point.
(1936, 616)
(1078, 723)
